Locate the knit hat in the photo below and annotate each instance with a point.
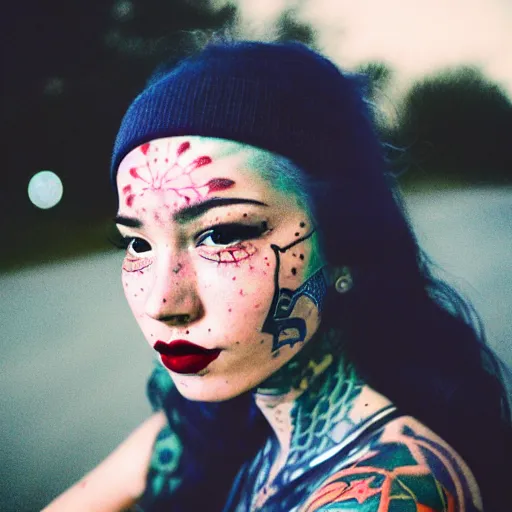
(284, 98)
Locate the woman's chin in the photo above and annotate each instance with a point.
(201, 389)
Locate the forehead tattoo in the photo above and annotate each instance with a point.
(163, 169)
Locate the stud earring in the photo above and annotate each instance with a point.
(344, 282)
(177, 268)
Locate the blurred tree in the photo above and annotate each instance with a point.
(289, 28)
(67, 80)
(158, 30)
(457, 124)
(378, 75)
(76, 68)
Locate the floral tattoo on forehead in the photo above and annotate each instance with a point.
(166, 171)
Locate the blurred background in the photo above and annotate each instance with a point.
(73, 364)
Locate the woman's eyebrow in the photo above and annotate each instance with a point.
(189, 213)
(128, 221)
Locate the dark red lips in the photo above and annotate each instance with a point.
(181, 356)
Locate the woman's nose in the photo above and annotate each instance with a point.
(174, 297)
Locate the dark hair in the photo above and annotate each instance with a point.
(413, 338)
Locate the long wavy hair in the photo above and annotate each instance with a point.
(410, 335)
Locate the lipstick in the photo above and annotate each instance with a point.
(181, 356)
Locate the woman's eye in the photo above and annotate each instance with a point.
(229, 234)
(137, 246)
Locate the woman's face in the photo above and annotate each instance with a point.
(217, 265)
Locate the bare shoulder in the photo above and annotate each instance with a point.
(117, 482)
(407, 467)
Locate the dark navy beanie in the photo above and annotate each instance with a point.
(284, 98)
(287, 99)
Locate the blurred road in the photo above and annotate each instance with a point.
(74, 365)
(468, 234)
(72, 381)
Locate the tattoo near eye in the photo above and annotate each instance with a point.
(135, 265)
(228, 234)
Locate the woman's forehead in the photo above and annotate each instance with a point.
(190, 169)
(183, 149)
(194, 164)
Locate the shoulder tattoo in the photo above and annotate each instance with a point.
(406, 469)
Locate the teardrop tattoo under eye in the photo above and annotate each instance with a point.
(233, 254)
(131, 263)
(233, 239)
(135, 265)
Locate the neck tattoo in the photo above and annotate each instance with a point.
(308, 403)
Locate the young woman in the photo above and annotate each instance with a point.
(303, 344)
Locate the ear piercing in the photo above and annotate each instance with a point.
(344, 282)
(177, 268)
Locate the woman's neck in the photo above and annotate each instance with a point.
(313, 402)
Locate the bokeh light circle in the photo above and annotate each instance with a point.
(45, 189)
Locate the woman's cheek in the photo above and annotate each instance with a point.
(242, 287)
(135, 276)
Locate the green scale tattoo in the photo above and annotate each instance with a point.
(322, 429)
